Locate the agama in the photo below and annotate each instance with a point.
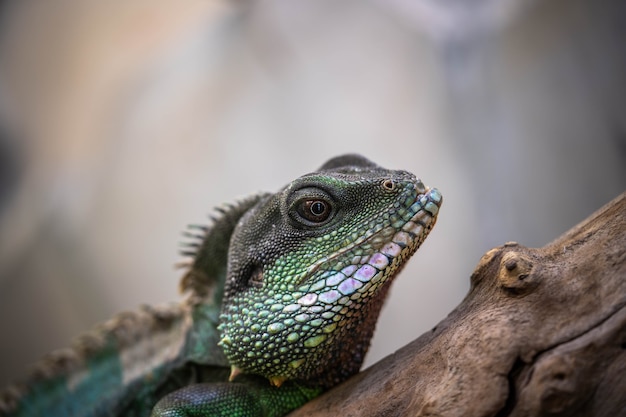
(284, 291)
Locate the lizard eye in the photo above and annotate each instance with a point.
(389, 184)
(315, 211)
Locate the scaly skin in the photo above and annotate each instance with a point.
(308, 271)
(296, 281)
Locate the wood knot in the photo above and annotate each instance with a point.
(487, 258)
(484, 263)
(515, 272)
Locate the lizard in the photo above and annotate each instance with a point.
(283, 293)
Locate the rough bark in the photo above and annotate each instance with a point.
(541, 332)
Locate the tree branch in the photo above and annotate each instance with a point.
(541, 331)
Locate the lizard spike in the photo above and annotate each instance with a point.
(277, 381)
(224, 208)
(200, 227)
(189, 244)
(234, 372)
(190, 235)
(182, 265)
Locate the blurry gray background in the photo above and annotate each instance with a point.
(123, 121)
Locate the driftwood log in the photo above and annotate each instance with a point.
(542, 332)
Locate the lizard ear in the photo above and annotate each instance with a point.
(350, 160)
(207, 270)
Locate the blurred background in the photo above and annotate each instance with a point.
(123, 121)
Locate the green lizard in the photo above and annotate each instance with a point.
(284, 293)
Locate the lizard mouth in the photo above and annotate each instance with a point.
(389, 241)
(388, 247)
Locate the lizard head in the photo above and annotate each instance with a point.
(309, 268)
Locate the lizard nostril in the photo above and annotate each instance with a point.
(419, 185)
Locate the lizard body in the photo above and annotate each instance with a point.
(285, 287)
